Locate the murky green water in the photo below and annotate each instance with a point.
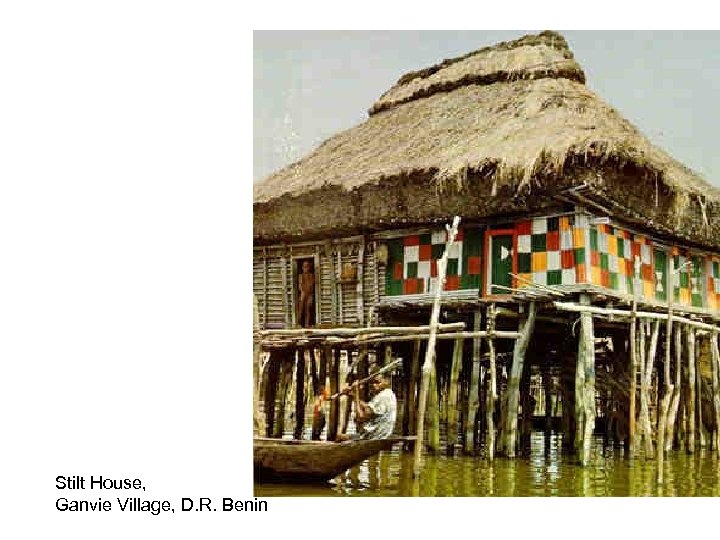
(545, 472)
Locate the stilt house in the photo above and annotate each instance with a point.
(576, 232)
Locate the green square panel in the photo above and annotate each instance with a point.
(472, 242)
(553, 224)
(554, 277)
(437, 250)
(580, 255)
(425, 239)
(395, 251)
(604, 261)
(524, 262)
(538, 243)
(613, 281)
(452, 267)
(469, 282)
(716, 269)
(393, 287)
(621, 248)
(630, 284)
(412, 269)
(684, 280)
(593, 239)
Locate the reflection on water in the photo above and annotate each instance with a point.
(544, 472)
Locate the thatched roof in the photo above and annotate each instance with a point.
(511, 114)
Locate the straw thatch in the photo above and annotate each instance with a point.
(471, 135)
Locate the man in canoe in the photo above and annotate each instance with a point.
(376, 419)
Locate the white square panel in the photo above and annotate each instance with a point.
(566, 239)
(524, 243)
(438, 237)
(539, 225)
(553, 260)
(539, 278)
(568, 276)
(646, 254)
(612, 263)
(412, 254)
(423, 270)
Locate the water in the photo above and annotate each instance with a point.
(545, 472)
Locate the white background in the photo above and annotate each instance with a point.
(125, 265)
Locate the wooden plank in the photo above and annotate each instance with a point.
(470, 438)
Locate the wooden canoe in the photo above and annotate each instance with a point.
(293, 461)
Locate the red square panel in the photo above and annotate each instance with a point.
(452, 283)
(473, 266)
(595, 258)
(459, 236)
(567, 258)
(629, 268)
(413, 240)
(398, 270)
(635, 249)
(524, 227)
(552, 239)
(646, 272)
(425, 252)
(433, 268)
(580, 274)
(605, 278)
(410, 286)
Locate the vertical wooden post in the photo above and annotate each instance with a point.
(452, 400)
(266, 284)
(344, 402)
(299, 394)
(675, 402)
(283, 276)
(472, 402)
(667, 386)
(525, 329)
(632, 414)
(258, 421)
(273, 368)
(433, 413)
(692, 384)
(429, 354)
(360, 283)
(649, 364)
(491, 392)
(715, 361)
(332, 429)
(412, 387)
(587, 353)
(286, 374)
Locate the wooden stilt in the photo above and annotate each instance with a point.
(675, 401)
(299, 394)
(320, 391)
(285, 380)
(715, 361)
(692, 386)
(345, 402)
(433, 413)
(430, 352)
(634, 365)
(258, 420)
(472, 402)
(491, 392)
(587, 352)
(332, 428)
(649, 364)
(270, 393)
(513, 390)
(452, 399)
(413, 386)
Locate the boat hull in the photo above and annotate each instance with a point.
(293, 461)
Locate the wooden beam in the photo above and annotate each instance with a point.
(323, 332)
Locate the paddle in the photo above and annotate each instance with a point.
(380, 371)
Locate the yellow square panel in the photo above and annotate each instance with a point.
(579, 238)
(612, 245)
(648, 289)
(539, 261)
(596, 275)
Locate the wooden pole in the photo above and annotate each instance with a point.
(633, 363)
(649, 364)
(473, 390)
(412, 386)
(273, 368)
(429, 354)
(299, 394)
(715, 361)
(433, 413)
(286, 373)
(513, 390)
(675, 402)
(332, 429)
(491, 393)
(452, 400)
(667, 386)
(587, 352)
(692, 385)
(258, 420)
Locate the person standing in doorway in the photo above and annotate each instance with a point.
(306, 287)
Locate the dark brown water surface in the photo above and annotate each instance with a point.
(546, 471)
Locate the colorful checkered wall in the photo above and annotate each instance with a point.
(551, 251)
(713, 284)
(412, 262)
